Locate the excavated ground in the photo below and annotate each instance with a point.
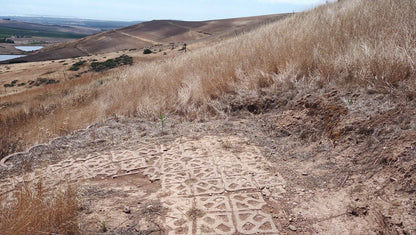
(291, 163)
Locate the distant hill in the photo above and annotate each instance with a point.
(16, 27)
(102, 25)
(151, 33)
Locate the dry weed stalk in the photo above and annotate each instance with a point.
(34, 212)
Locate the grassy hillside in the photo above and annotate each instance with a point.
(348, 45)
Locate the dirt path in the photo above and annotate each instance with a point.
(139, 38)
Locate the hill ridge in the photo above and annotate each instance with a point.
(148, 34)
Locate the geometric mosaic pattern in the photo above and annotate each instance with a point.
(218, 177)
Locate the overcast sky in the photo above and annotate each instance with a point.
(152, 9)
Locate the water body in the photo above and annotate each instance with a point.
(28, 48)
(9, 57)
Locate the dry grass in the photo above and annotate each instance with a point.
(47, 112)
(349, 43)
(364, 43)
(34, 212)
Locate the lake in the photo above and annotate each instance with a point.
(28, 48)
(9, 57)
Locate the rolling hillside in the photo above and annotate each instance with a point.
(151, 33)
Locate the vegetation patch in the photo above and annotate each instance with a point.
(12, 84)
(42, 81)
(5, 39)
(111, 63)
(147, 51)
(76, 66)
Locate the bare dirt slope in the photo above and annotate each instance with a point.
(272, 167)
(149, 34)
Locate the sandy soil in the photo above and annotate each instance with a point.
(266, 169)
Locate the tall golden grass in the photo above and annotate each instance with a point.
(359, 43)
(39, 212)
(348, 43)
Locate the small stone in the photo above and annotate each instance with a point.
(304, 174)
(293, 228)
(266, 193)
(126, 210)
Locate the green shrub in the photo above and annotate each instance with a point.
(40, 81)
(45, 81)
(5, 40)
(52, 81)
(112, 63)
(77, 65)
(12, 84)
(147, 51)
